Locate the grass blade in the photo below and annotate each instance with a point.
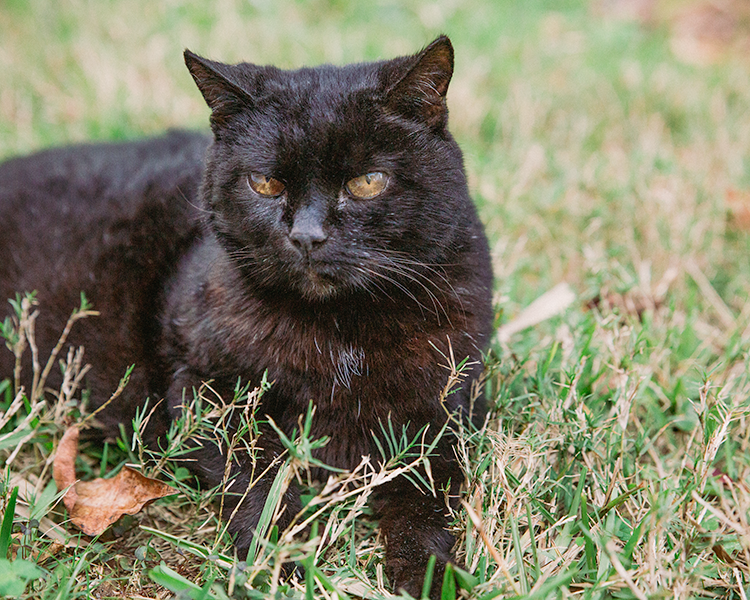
(428, 574)
(448, 591)
(275, 494)
(590, 548)
(518, 550)
(7, 527)
(532, 539)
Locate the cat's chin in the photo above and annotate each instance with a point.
(318, 287)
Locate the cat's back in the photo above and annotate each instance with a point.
(111, 220)
(68, 186)
(63, 207)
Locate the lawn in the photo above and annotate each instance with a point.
(609, 157)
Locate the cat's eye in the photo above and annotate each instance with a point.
(265, 186)
(367, 186)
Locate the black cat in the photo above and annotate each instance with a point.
(324, 236)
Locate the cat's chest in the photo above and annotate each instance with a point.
(314, 355)
(324, 350)
(346, 354)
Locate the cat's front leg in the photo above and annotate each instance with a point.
(245, 475)
(414, 524)
(247, 489)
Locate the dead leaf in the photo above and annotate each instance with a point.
(48, 553)
(95, 505)
(706, 32)
(63, 468)
(738, 203)
(633, 304)
(702, 32)
(723, 555)
(553, 302)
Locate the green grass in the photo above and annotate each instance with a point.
(616, 460)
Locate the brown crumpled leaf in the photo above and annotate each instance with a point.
(738, 203)
(704, 33)
(95, 505)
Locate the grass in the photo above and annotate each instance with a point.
(616, 461)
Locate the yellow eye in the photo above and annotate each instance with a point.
(367, 186)
(265, 186)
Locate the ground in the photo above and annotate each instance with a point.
(608, 149)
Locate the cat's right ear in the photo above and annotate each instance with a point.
(222, 93)
(420, 92)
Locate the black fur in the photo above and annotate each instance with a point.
(345, 301)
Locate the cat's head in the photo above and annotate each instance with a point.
(332, 180)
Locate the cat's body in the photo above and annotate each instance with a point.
(333, 245)
(111, 221)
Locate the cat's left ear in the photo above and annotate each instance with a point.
(420, 93)
(224, 96)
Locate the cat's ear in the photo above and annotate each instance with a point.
(420, 92)
(222, 93)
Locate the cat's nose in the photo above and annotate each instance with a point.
(307, 232)
(308, 240)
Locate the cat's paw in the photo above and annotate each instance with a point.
(408, 575)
